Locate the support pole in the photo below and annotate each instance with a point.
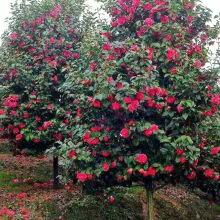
(55, 173)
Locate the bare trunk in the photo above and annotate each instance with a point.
(150, 204)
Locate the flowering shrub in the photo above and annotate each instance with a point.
(38, 49)
(142, 104)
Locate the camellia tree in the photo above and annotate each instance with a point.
(143, 105)
(38, 50)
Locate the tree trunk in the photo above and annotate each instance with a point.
(55, 173)
(150, 205)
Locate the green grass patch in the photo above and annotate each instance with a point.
(6, 182)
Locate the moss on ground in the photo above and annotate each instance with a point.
(129, 205)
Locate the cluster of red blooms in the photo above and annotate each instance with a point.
(215, 101)
(148, 132)
(131, 9)
(23, 213)
(134, 103)
(52, 60)
(11, 101)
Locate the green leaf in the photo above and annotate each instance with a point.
(185, 116)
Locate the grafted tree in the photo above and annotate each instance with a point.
(144, 103)
(39, 47)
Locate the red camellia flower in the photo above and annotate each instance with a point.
(150, 172)
(21, 126)
(148, 132)
(209, 173)
(158, 106)
(32, 50)
(47, 124)
(94, 141)
(149, 22)
(13, 36)
(140, 96)
(89, 176)
(105, 139)
(168, 169)
(2, 112)
(191, 175)
(179, 108)
(92, 66)
(195, 163)
(36, 141)
(129, 171)
(81, 177)
(190, 19)
(179, 151)
(18, 137)
(173, 70)
(124, 133)
(38, 100)
(114, 164)
(105, 167)
(170, 100)
(136, 3)
(148, 7)
(165, 19)
(121, 20)
(198, 64)
(13, 72)
(154, 128)
(37, 119)
(96, 104)
(50, 106)
(110, 79)
(76, 56)
(197, 49)
(171, 53)
(204, 37)
(111, 199)
(215, 150)
(66, 53)
(21, 44)
(16, 131)
(72, 153)
(110, 57)
(216, 100)
(127, 100)
(168, 37)
(1, 130)
(142, 158)
(119, 86)
(105, 154)
(96, 129)
(116, 106)
(190, 52)
(183, 160)
(163, 93)
(107, 46)
(134, 104)
(15, 180)
(134, 48)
